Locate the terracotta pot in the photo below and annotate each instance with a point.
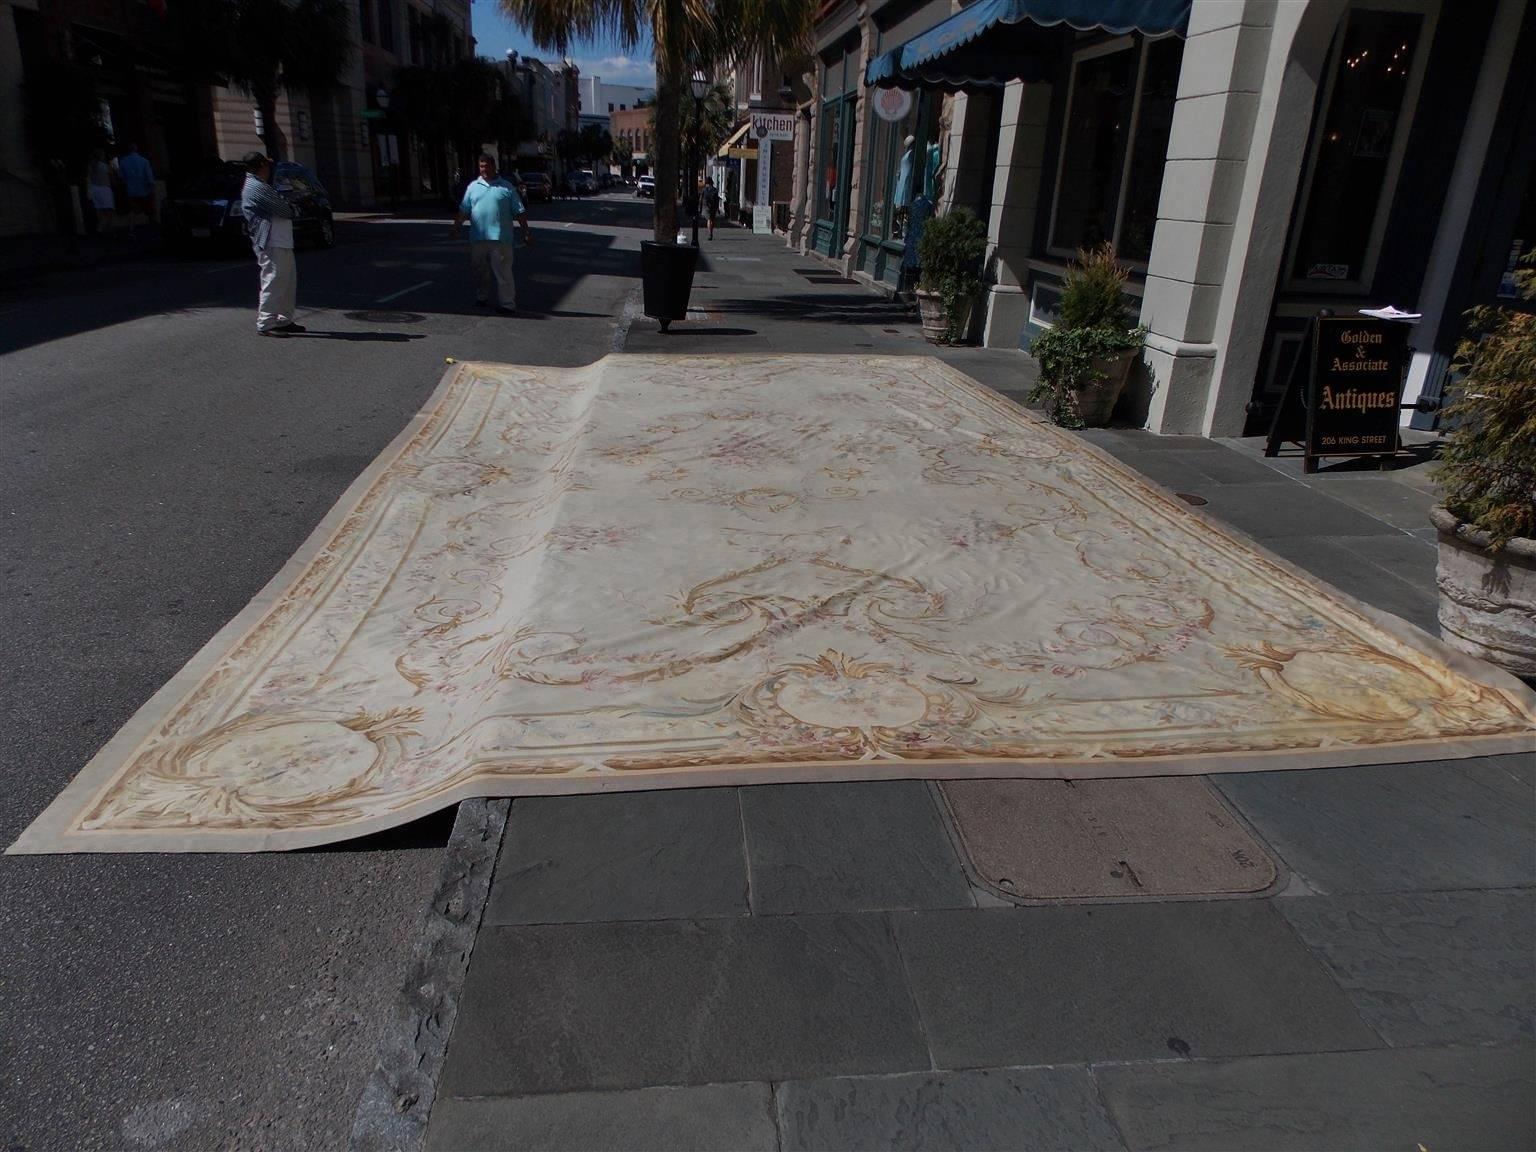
(930, 307)
(1098, 399)
(1487, 599)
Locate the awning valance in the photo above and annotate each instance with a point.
(995, 41)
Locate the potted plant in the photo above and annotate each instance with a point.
(1487, 475)
(1086, 357)
(949, 255)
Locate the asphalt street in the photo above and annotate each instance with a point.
(158, 464)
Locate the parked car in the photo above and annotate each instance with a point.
(584, 183)
(646, 186)
(537, 186)
(206, 212)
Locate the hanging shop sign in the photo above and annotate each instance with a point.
(892, 103)
(773, 125)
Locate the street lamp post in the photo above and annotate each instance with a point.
(699, 84)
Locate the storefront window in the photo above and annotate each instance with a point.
(1149, 148)
(904, 159)
(1115, 143)
(827, 190)
(1352, 155)
(1093, 153)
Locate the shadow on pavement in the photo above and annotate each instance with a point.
(373, 263)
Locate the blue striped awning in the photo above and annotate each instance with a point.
(995, 41)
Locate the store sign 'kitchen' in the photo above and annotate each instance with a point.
(1357, 383)
(773, 125)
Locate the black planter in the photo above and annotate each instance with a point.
(666, 270)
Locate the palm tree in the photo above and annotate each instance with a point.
(688, 35)
(260, 46)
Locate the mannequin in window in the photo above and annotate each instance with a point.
(901, 196)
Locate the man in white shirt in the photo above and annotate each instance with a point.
(269, 220)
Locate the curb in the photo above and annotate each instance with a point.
(396, 1103)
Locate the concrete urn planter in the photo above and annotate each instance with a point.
(1487, 599)
(1097, 400)
(930, 307)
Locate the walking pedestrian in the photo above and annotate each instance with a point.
(711, 203)
(269, 220)
(491, 205)
(138, 184)
(99, 182)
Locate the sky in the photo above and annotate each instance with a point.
(495, 33)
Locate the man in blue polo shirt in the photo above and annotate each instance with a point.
(491, 205)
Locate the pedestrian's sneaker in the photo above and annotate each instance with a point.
(290, 327)
(481, 303)
(278, 333)
(505, 310)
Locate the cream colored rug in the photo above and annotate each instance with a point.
(659, 572)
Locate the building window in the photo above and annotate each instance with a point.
(1115, 141)
(365, 16)
(1357, 148)
(414, 36)
(387, 25)
(904, 162)
(829, 158)
(610, 107)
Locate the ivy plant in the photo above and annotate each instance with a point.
(1093, 326)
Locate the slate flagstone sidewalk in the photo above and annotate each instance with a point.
(809, 966)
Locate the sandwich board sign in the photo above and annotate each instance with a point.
(1352, 394)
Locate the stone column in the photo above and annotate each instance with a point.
(1220, 85)
(808, 167)
(798, 181)
(1015, 204)
(855, 224)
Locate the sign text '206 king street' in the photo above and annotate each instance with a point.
(1357, 381)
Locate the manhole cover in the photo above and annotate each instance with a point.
(386, 317)
(1039, 841)
(1191, 498)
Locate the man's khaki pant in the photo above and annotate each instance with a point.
(493, 258)
(279, 285)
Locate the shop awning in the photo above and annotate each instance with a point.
(733, 145)
(995, 41)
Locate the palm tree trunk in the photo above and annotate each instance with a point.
(271, 138)
(665, 150)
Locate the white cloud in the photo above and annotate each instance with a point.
(620, 70)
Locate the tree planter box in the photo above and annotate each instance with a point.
(1487, 599)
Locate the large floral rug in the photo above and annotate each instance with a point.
(658, 572)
